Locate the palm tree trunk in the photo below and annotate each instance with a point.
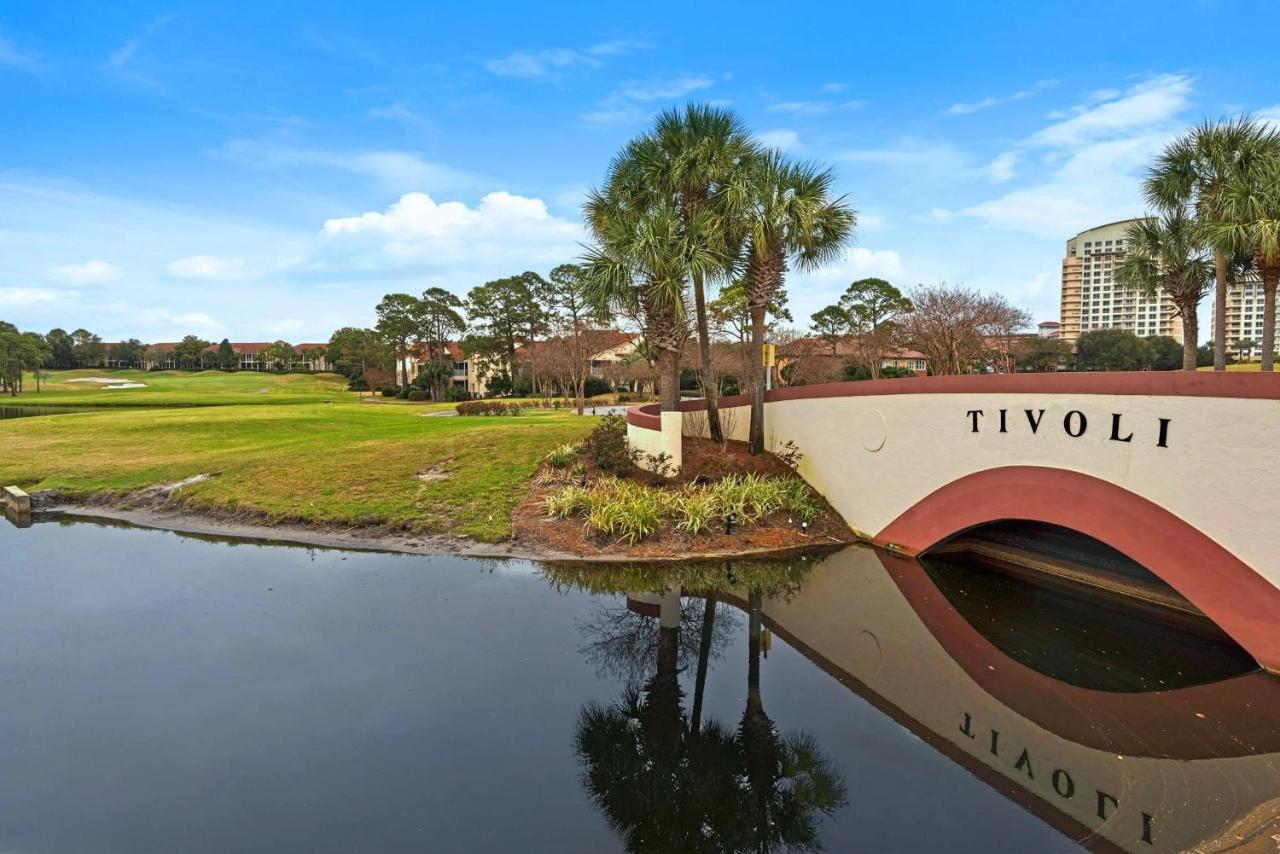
(755, 436)
(1190, 336)
(1220, 313)
(668, 381)
(704, 658)
(755, 603)
(1270, 279)
(709, 389)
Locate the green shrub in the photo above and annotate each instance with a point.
(487, 407)
(562, 456)
(417, 395)
(607, 445)
(631, 511)
(696, 509)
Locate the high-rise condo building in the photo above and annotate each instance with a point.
(1090, 298)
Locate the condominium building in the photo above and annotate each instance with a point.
(1090, 298)
(1244, 317)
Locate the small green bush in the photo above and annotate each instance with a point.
(607, 445)
(487, 407)
(417, 395)
(562, 456)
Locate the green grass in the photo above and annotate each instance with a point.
(347, 463)
(1240, 366)
(180, 388)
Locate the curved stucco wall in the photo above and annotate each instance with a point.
(1201, 448)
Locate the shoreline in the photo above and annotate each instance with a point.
(187, 521)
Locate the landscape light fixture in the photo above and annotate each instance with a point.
(729, 522)
(804, 526)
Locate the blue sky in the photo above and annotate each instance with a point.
(236, 170)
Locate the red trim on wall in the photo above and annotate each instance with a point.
(1237, 384)
(647, 417)
(1229, 592)
(1209, 721)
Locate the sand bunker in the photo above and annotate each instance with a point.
(108, 383)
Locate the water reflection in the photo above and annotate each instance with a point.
(670, 781)
(270, 698)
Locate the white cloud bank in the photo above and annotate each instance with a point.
(89, 273)
(503, 227)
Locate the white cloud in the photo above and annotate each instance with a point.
(937, 215)
(1148, 103)
(782, 138)
(860, 262)
(122, 57)
(813, 108)
(16, 298)
(502, 226)
(206, 267)
(12, 55)
(394, 169)
(547, 64)
(1096, 156)
(629, 102)
(835, 88)
(966, 108)
(1000, 170)
(88, 273)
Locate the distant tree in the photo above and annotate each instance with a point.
(62, 348)
(87, 349)
(127, 352)
(189, 351)
(1165, 353)
(20, 352)
(1112, 350)
(506, 313)
(399, 321)
(1204, 354)
(315, 355)
(1166, 254)
(227, 359)
(353, 352)
(950, 325)
(831, 324)
(1043, 354)
(1243, 347)
(441, 321)
(874, 309)
(279, 355)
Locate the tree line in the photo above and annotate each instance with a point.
(1215, 192)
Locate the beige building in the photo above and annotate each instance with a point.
(1090, 298)
(1244, 317)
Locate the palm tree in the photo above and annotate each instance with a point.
(793, 220)
(698, 158)
(1189, 176)
(1167, 254)
(1249, 209)
(638, 267)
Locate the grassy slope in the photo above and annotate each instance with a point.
(181, 388)
(346, 463)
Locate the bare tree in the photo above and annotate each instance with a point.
(952, 325)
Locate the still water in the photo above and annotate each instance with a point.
(167, 693)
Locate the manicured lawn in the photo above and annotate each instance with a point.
(354, 463)
(179, 388)
(1245, 366)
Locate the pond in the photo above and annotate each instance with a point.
(172, 693)
(31, 411)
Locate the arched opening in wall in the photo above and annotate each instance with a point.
(1076, 609)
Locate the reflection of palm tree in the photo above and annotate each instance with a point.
(789, 780)
(665, 783)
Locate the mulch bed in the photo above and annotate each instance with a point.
(703, 460)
